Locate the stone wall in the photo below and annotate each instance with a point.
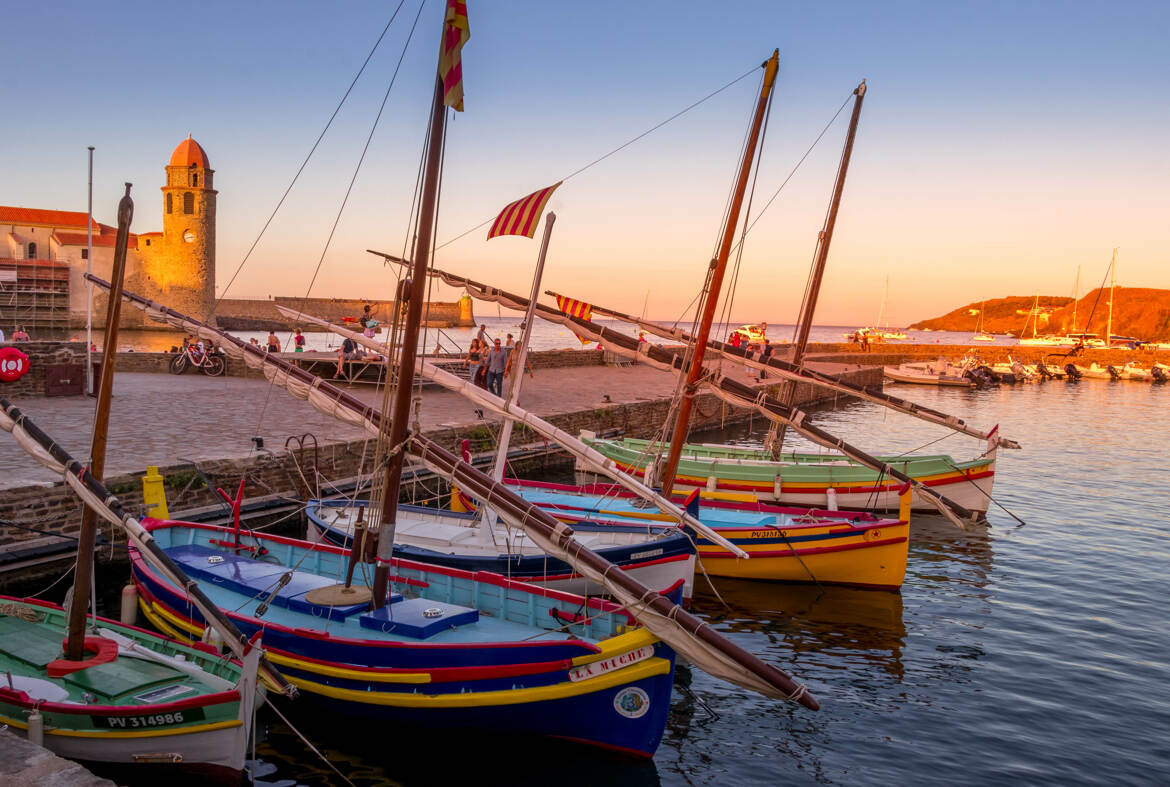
(41, 355)
(245, 314)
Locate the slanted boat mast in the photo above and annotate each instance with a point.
(715, 281)
(808, 308)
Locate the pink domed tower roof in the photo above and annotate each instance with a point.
(189, 153)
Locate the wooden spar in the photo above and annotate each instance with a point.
(788, 370)
(516, 381)
(233, 637)
(808, 308)
(715, 282)
(83, 576)
(503, 499)
(409, 347)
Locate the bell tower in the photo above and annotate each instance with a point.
(181, 273)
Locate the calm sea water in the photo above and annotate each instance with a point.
(1032, 653)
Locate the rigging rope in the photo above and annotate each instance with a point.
(619, 148)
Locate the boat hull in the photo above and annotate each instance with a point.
(812, 480)
(613, 694)
(784, 544)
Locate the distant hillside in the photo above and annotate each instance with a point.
(1142, 312)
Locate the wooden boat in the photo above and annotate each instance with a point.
(660, 555)
(941, 373)
(139, 700)
(814, 480)
(786, 544)
(451, 650)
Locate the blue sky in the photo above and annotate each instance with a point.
(1001, 145)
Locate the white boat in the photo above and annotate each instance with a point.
(939, 372)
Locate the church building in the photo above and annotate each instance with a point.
(43, 255)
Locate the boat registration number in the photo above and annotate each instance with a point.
(148, 720)
(593, 669)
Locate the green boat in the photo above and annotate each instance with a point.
(139, 700)
(829, 481)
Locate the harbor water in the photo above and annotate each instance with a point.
(1031, 653)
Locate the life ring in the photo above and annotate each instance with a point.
(102, 651)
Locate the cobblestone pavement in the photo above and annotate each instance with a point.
(161, 419)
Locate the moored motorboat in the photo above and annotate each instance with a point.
(930, 373)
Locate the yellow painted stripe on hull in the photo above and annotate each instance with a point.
(351, 674)
(398, 699)
(622, 643)
(120, 734)
(883, 566)
(155, 616)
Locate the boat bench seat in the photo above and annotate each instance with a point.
(418, 617)
(257, 578)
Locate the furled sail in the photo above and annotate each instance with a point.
(731, 391)
(689, 636)
(578, 449)
(800, 373)
(91, 491)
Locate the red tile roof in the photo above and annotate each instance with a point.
(52, 218)
(189, 153)
(81, 239)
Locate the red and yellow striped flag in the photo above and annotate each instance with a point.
(522, 216)
(456, 31)
(576, 308)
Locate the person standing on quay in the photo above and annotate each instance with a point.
(497, 362)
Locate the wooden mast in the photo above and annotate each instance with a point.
(83, 575)
(415, 291)
(717, 269)
(808, 308)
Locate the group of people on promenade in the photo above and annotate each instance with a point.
(488, 362)
(19, 335)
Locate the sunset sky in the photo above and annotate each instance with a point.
(1000, 146)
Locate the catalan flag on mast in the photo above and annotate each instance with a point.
(522, 216)
(456, 31)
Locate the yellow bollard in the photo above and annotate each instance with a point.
(456, 502)
(154, 495)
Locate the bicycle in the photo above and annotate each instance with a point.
(192, 355)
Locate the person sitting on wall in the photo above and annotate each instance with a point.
(20, 335)
(349, 352)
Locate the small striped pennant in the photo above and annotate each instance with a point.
(576, 308)
(522, 216)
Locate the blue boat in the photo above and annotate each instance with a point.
(657, 554)
(451, 650)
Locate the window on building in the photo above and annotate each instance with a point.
(194, 178)
(148, 241)
(32, 251)
(188, 202)
(170, 203)
(85, 254)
